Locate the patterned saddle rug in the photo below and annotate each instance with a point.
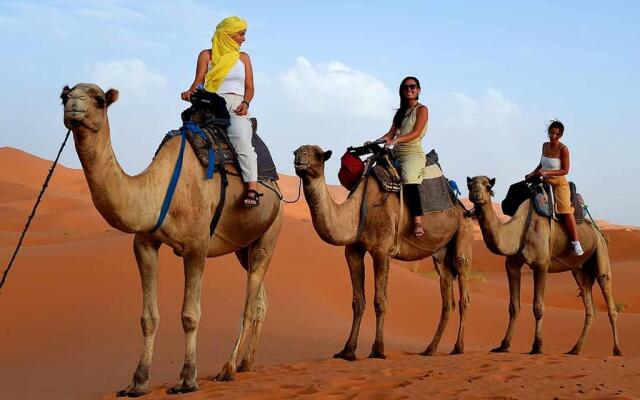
(541, 195)
(214, 143)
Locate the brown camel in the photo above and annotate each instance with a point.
(533, 245)
(132, 204)
(388, 233)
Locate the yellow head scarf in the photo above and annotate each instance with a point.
(224, 51)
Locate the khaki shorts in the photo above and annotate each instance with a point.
(561, 194)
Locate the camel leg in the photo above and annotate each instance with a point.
(256, 329)
(260, 253)
(513, 268)
(585, 278)
(355, 260)
(194, 261)
(462, 264)
(146, 252)
(446, 292)
(604, 281)
(539, 281)
(381, 273)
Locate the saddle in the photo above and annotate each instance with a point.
(435, 192)
(541, 195)
(206, 122)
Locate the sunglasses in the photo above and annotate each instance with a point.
(411, 86)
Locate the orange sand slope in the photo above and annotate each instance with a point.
(70, 314)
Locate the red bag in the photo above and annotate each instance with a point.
(351, 169)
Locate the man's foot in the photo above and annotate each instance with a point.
(577, 248)
(252, 198)
(418, 230)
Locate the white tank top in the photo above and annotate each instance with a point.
(234, 81)
(551, 163)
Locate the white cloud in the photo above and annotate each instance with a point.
(336, 89)
(492, 110)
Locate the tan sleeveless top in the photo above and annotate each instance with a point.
(408, 123)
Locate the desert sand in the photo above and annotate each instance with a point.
(71, 307)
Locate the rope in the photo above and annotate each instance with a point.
(33, 211)
(280, 196)
(591, 218)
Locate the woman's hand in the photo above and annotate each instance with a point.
(186, 95)
(391, 141)
(242, 109)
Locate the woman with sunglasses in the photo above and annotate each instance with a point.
(554, 167)
(224, 70)
(407, 130)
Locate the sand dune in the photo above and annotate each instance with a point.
(70, 315)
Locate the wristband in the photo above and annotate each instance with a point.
(245, 102)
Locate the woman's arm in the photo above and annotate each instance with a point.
(564, 164)
(249, 89)
(388, 137)
(201, 70)
(536, 171)
(421, 120)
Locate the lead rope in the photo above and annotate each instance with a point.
(280, 196)
(33, 211)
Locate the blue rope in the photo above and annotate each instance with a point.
(173, 183)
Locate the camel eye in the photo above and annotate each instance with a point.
(100, 101)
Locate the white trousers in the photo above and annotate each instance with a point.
(239, 133)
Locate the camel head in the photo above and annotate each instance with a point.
(85, 106)
(480, 189)
(309, 161)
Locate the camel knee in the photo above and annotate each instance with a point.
(149, 324)
(538, 311)
(514, 310)
(380, 306)
(358, 305)
(258, 258)
(463, 303)
(190, 321)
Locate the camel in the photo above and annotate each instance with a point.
(387, 234)
(531, 244)
(132, 204)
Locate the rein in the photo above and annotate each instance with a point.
(33, 211)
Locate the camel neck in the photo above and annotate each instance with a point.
(112, 190)
(335, 223)
(500, 238)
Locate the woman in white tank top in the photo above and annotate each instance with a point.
(237, 89)
(554, 167)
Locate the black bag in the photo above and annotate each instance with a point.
(516, 195)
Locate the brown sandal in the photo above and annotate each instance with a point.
(418, 230)
(252, 198)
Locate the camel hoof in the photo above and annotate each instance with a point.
(573, 352)
(227, 374)
(617, 352)
(245, 366)
(500, 349)
(535, 350)
(377, 354)
(130, 393)
(346, 355)
(456, 350)
(429, 351)
(183, 388)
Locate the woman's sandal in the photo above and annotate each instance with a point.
(418, 230)
(252, 198)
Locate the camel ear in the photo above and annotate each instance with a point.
(469, 180)
(65, 93)
(492, 181)
(327, 155)
(111, 96)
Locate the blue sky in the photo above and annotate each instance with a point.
(493, 73)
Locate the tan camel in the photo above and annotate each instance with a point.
(388, 233)
(536, 249)
(132, 204)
